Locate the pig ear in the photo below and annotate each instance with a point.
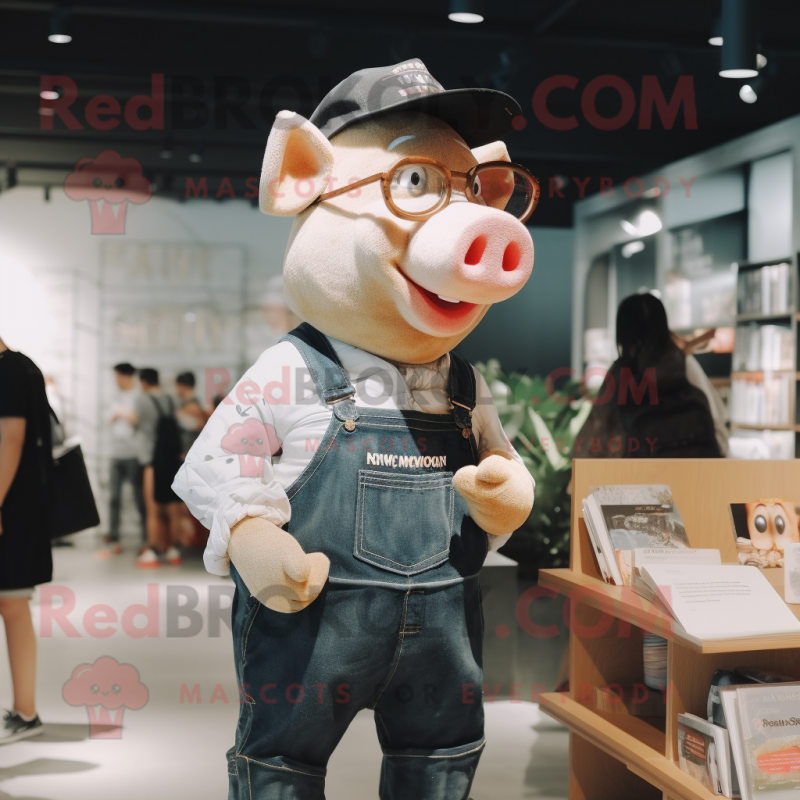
(297, 165)
(494, 151)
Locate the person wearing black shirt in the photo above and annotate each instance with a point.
(25, 557)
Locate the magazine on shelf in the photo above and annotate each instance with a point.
(704, 753)
(769, 716)
(625, 517)
(725, 601)
(641, 556)
(763, 723)
(762, 529)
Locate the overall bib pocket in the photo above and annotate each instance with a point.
(404, 521)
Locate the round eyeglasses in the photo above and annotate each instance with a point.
(416, 188)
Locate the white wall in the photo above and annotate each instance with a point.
(769, 224)
(49, 272)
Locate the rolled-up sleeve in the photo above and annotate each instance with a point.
(228, 475)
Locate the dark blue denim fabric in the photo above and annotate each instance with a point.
(398, 626)
(413, 656)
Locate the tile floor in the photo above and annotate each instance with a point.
(173, 748)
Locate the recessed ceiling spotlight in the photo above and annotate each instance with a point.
(467, 11)
(647, 224)
(46, 94)
(748, 94)
(739, 39)
(58, 32)
(715, 36)
(196, 156)
(632, 248)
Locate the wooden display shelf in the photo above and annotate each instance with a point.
(758, 376)
(625, 605)
(745, 427)
(757, 317)
(625, 744)
(617, 755)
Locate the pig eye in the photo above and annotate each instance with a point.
(780, 524)
(476, 186)
(97, 183)
(94, 689)
(119, 183)
(244, 441)
(259, 441)
(761, 523)
(413, 180)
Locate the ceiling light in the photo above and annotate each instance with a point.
(739, 39)
(196, 156)
(632, 248)
(46, 94)
(166, 150)
(761, 59)
(468, 11)
(647, 224)
(715, 36)
(58, 33)
(748, 94)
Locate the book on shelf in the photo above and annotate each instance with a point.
(763, 347)
(762, 529)
(623, 517)
(737, 677)
(717, 602)
(763, 723)
(642, 556)
(762, 402)
(764, 290)
(704, 753)
(761, 445)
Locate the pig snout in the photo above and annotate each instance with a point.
(470, 253)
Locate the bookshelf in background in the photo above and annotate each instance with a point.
(764, 372)
(620, 754)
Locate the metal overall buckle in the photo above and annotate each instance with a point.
(465, 425)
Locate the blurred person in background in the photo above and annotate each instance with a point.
(26, 463)
(125, 466)
(191, 418)
(191, 415)
(159, 447)
(650, 404)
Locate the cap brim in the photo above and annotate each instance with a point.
(479, 116)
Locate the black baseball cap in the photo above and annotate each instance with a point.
(479, 116)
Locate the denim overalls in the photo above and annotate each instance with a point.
(398, 626)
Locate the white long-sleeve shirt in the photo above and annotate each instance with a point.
(278, 392)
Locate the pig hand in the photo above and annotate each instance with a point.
(499, 492)
(274, 567)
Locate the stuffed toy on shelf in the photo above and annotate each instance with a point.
(355, 478)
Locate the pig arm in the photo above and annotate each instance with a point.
(244, 513)
(499, 491)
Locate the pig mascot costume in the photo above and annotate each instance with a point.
(355, 478)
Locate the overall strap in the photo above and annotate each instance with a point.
(462, 390)
(327, 372)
